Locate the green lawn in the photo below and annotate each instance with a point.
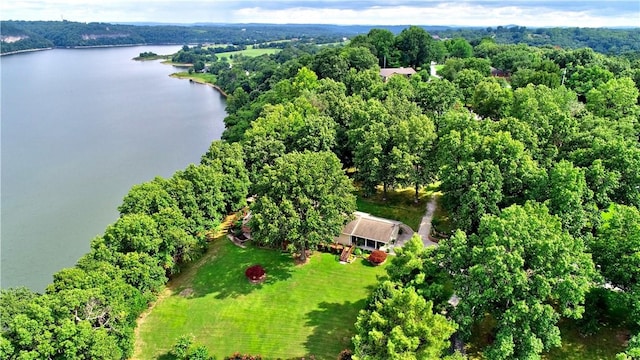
(605, 344)
(203, 78)
(300, 309)
(250, 52)
(399, 205)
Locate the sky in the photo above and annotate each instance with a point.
(542, 13)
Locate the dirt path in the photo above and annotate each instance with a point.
(185, 277)
(425, 223)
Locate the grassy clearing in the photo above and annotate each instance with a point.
(250, 52)
(605, 344)
(399, 205)
(297, 311)
(203, 78)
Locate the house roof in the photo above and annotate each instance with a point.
(385, 73)
(371, 227)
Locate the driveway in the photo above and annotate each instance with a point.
(425, 224)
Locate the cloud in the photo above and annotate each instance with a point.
(478, 13)
(585, 13)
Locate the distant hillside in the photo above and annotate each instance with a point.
(602, 40)
(19, 35)
(14, 38)
(25, 35)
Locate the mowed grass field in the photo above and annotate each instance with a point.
(250, 52)
(300, 310)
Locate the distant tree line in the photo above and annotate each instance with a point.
(44, 34)
(602, 40)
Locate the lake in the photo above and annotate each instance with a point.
(79, 128)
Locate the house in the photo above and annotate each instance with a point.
(387, 72)
(499, 73)
(369, 232)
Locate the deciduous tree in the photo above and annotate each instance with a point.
(523, 270)
(303, 199)
(400, 324)
(616, 247)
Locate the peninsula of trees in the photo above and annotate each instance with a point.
(535, 150)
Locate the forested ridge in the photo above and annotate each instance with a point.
(535, 150)
(25, 35)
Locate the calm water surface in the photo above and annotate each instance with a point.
(79, 128)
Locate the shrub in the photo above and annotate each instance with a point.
(357, 252)
(181, 348)
(255, 272)
(377, 257)
(345, 355)
(239, 356)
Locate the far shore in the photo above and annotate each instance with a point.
(24, 51)
(85, 47)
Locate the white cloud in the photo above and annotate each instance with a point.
(440, 14)
(583, 13)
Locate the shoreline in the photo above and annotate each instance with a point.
(25, 51)
(80, 47)
(198, 81)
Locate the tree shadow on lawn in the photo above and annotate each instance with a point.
(333, 327)
(166, 356)
(224, 277)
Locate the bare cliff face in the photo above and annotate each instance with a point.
(12, 38)
(102, 36)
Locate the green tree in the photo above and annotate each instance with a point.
(616, 99)
(584, 79)
(230, 159)
(419, 131)
(360, 58)
(614, 168)
(437, 96)
(133, 233)
(491, 100)
(12, 302)
(467, 80)
(551, 113)
(472, 190)
(206, 184)
(419, 267)
(459, 48)
(569, 196)
(383, 41)
(523, 270)
(329, 63)
(303, 199)
(413, 44)
(147, 198)
(400, 324)
(616, 247)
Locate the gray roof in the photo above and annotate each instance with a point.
(385, 73)
(371, 227)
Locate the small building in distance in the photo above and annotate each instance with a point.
(369, 232)
(388, 72)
